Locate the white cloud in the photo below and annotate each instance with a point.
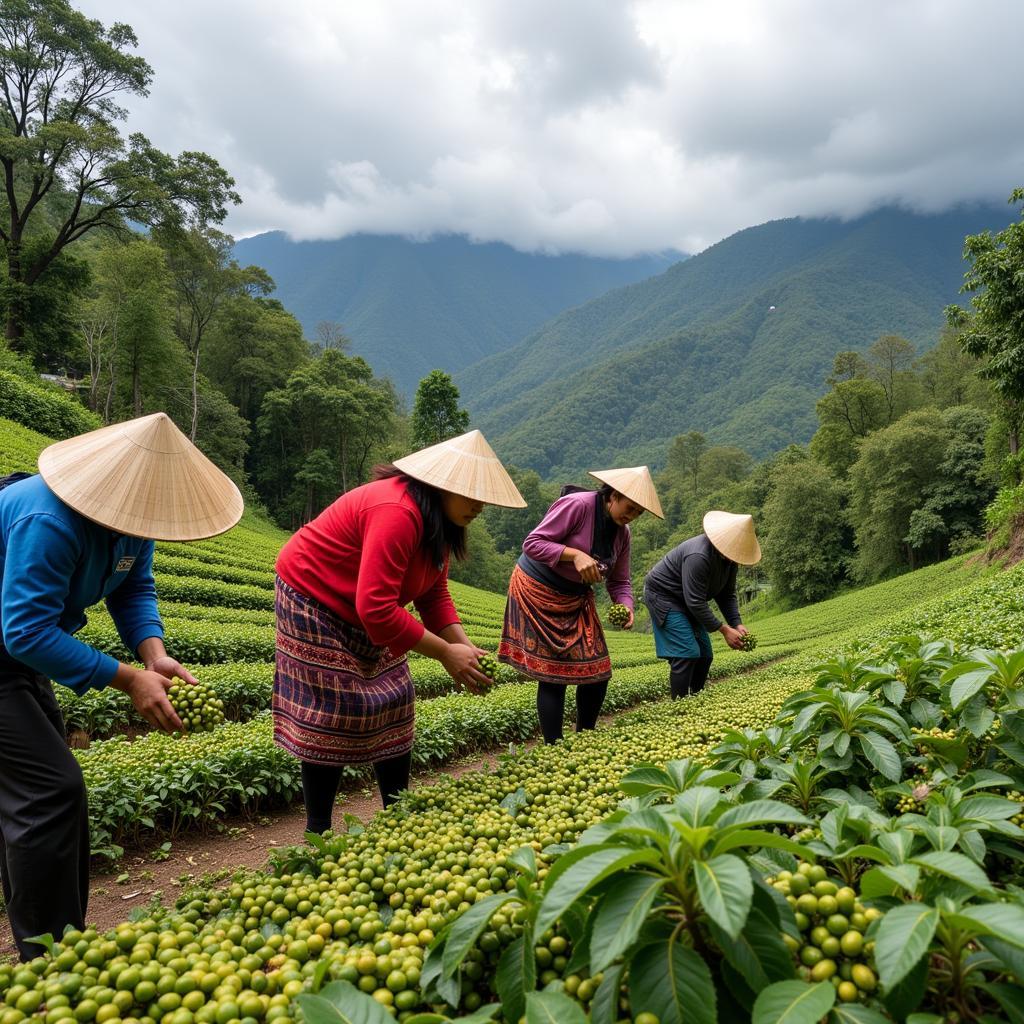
(604, 126)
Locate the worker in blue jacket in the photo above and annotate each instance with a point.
(80, 532)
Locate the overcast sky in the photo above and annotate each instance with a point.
(602, 126)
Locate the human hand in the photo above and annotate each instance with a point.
(733, 637)
(171, 669)
(628, 624)
(148, 692)
(587, 567)
(460, 662)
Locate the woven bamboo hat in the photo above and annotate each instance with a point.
(143, 477)
(635, 483)
(733, 536)
(464, 465)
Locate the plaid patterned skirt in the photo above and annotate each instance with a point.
(338, 699)
(553, 637)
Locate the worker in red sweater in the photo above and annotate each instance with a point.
(343, 693)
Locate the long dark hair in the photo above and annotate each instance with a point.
(440, 534)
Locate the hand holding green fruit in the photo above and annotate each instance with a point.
(618, 616)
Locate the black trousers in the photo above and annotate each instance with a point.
(320, 784)
(687, 676)
(551, 707)
(44, 814)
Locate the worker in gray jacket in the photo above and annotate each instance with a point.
(679, 589)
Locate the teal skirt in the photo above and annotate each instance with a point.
(681, 638)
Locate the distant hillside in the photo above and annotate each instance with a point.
(411, 307)
(700, 348)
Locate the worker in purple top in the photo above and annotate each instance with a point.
(80, 532)
(552, 631)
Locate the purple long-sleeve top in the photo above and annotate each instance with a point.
(569, 523)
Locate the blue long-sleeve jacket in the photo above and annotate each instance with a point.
(55, 564)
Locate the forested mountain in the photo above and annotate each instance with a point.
(411, 307)
(735, 342)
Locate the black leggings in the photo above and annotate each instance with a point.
(687, 676)
(320, 784)
(551, 707)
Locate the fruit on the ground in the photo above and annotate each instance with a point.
(618, 615)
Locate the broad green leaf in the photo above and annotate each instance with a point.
(1009, 955)
(882, 754)
(758, 952)
(854, 1013)
(672, 982)
(1003, 920)
(956, 866)
(987, 808)
(762, 812)
(553, 1008)
(604, 1007)
(645, 778)
(467, 928)
(695, 805)
(1010, 999)
(516, 975)
(885, 880)
(726, 891)
(342, 1003)
(525, 859)
(977, 717)
(925, 1018)
(966, 686)
(903, 937)
(793, 1002)
(619, 916)
(754, 838)
(583, 874)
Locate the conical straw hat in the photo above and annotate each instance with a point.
(635, 483)
(464, 465)
(733, 536)
(144, 478)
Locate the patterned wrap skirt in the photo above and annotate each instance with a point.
(338, 698)
(553, 637)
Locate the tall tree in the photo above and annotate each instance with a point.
(891, 362)
(205, 276)
(67, 169)
(853, 409)
(684, 457)
(994, 329)
(435, 413)
(950, 375)
(804, 535)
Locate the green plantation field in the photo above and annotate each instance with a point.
(835, 836)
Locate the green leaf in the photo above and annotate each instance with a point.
(964, 688)
(342, 1003)
(955, 866)
(754, 838)
(619, 917)
(882, 754)
(1010, 999)
(516, 974)
(587, 866)
(726, 891)
(646, 778)
(1003, 920)
(793, 1002)
(552, 1008)
(884, 881)
(758, 952)
(762, 812)
(903, 938)
(467, 928)
(854, 1013)
(672, 982)
(604, 1007)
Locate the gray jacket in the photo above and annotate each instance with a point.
(687, 579)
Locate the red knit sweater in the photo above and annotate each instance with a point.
(361, 557)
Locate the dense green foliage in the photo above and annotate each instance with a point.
(414, 306)
(700, 347)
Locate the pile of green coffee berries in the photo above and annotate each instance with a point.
(618, 615)
(748, 642)
(488, 664)
(198, 706)
(833, 921)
